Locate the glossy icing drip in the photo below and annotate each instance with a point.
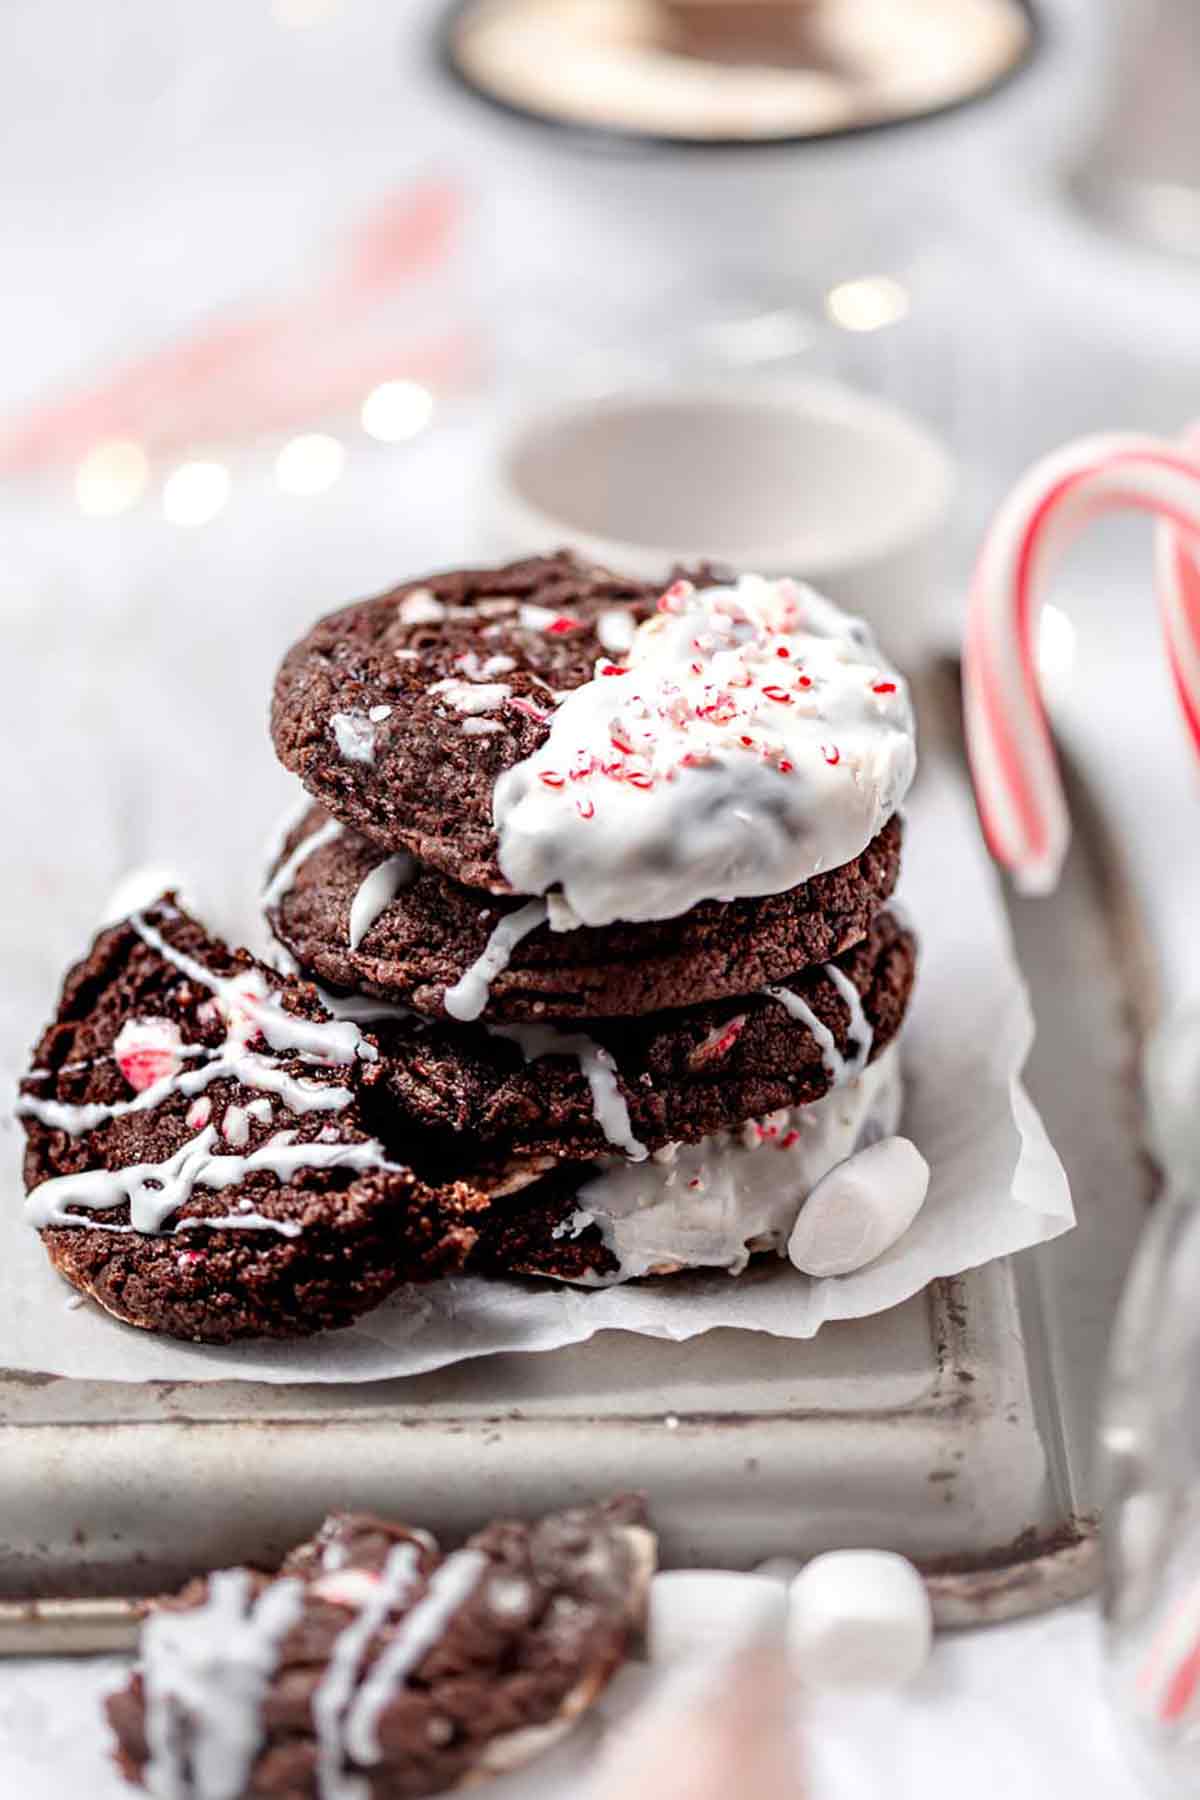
(156, 1190)
(332, 1698)
(469, 995)
(609, 1105)
(284, 877)
(449, 1587)
(377, 890)
(205, 1672)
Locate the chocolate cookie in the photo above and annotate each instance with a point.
(525, 1097)
(731, 741)
(359, 918)
(399, 712)
(375, 1663)
(709, 1205)
(198, 1160)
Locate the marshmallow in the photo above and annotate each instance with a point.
(780, 1568)
(860, 1209)
(859, 1618)
(695, 1613)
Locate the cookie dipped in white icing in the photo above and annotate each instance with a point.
(712, 1204)
(752, 737)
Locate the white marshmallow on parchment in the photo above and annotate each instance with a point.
(860, 1209)
(696, 1613)
(859, 1618)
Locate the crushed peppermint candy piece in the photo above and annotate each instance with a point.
(471, 697)
(718, 1043)
(354, 735)
(421, 608)
(351, 1588)
(147, 1051)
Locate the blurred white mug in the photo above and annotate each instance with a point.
(802, 477)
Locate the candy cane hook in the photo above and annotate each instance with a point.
(1013, 763)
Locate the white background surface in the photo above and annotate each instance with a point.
(168, 158)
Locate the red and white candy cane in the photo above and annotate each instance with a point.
(1015, 769)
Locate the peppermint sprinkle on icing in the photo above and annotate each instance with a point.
(754, 738)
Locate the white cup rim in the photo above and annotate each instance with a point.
(927, 471)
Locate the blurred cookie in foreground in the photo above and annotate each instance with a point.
(377, 1666)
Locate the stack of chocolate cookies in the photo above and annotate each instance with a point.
(625, 855)
(584, 967)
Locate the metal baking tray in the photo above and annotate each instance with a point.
(955, 1428)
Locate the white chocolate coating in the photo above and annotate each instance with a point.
(859, 1618)
(711, 1204)
(753, 737)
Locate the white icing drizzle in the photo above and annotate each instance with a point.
(330, 1041)
(355, 736)
(377, 890)
(284, 877)
(336, 1689)
(712, 1204)
(470, 696)
(861, 1029)
(449, 1587)
(231, 1062)
(244, 1219)
(156, 1190)
(205, 1672)
(753, 737)
(470, 994)
(599, 1070)
(831, 1056)
(248, 1006)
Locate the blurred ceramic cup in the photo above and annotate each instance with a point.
(802, 138)
(805, 477)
